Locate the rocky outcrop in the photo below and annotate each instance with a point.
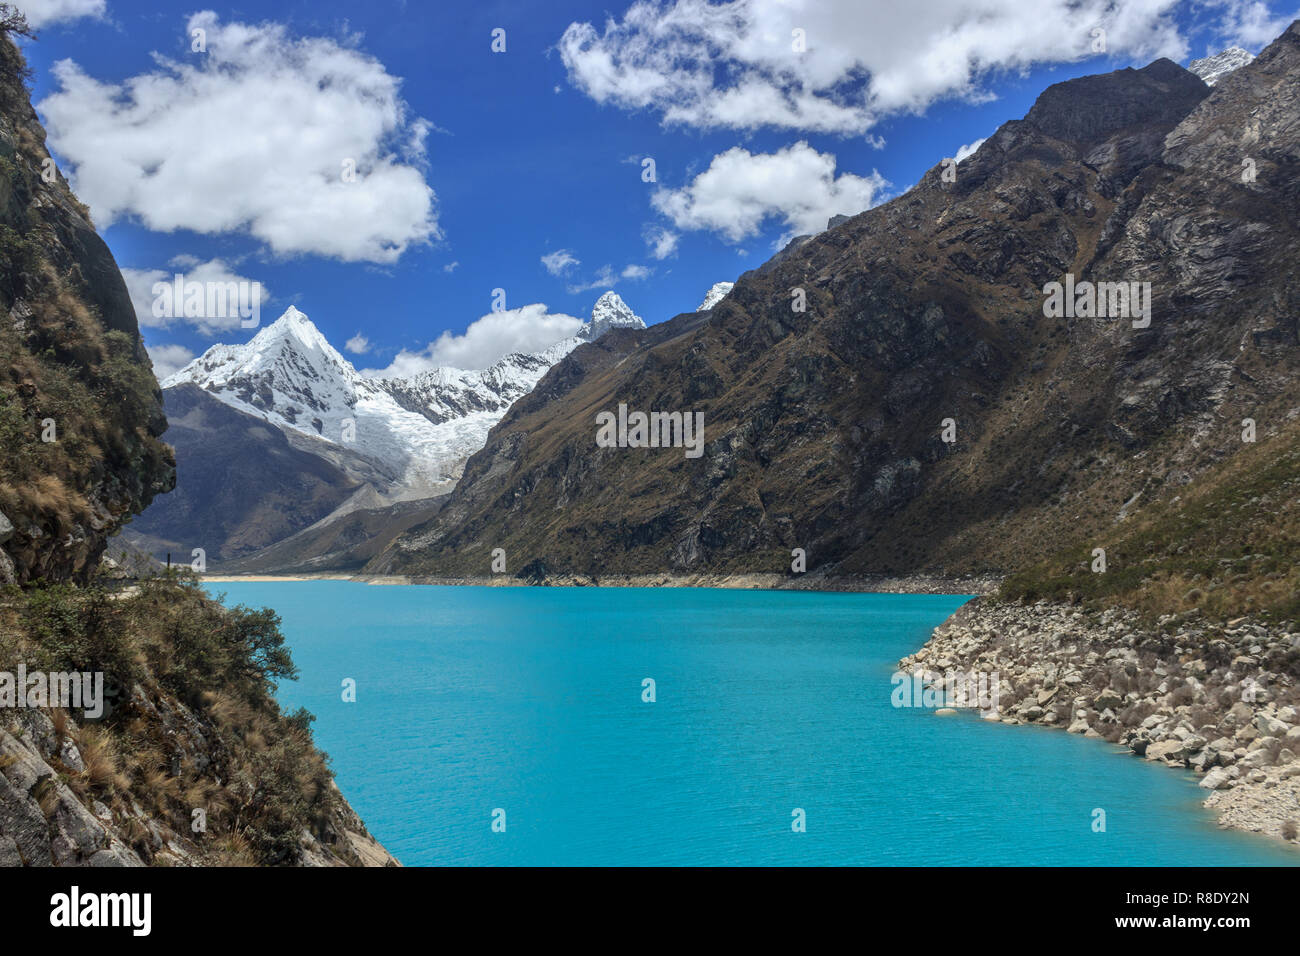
(45, 822)
(80, 411)
(1221, 701)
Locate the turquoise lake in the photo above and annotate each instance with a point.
(529, 700)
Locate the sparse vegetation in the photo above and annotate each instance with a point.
(1229, 546)
(193, 723)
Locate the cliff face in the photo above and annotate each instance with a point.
(80, 410)
(825, 428)
(186, 759)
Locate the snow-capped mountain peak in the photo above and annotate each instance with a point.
(1214, 68)
(296, 325)
(292, 344)
(609, 312)
(716, 294)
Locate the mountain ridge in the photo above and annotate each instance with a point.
(824, 428)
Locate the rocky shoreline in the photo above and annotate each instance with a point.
(1220, 700)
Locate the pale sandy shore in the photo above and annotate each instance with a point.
(911, 584)
(232, 578)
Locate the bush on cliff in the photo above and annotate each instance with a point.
(192, 721)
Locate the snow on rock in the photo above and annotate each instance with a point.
(715, 295)
(419, 430)
(609, 312)
(1214, 68)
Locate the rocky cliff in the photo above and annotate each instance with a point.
(80, 410)
(928, 409)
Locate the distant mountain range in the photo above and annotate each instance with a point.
(282, 442)
(417, 431)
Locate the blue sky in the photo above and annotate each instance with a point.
(534, 151)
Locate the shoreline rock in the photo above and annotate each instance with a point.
(1219, 700)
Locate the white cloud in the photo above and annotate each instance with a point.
(530, 328)
(969, 149)
(1249, 23)
(734, 64)
(451, 266)
(168, 359)
(603, 279)
(559, 261)
(43, 13)
(740, 190)
(662, 242)
(606, 278)
(253, 135)
(140, 284)
(358, 344)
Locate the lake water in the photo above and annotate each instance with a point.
(529, 700)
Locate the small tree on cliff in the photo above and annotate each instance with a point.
(13, 22)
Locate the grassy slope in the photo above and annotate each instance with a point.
(203, 731)
(1228, 545)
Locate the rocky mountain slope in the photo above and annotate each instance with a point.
(927, 410)
(224, 505)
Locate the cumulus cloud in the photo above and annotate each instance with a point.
(43, 13)
(304, 143)
(661, 242)
(530, 328)
(168, 359)
(140, 284)
(741, 190)
(839, 66)
(559, 261)
(1249, 23)
(358, 344)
